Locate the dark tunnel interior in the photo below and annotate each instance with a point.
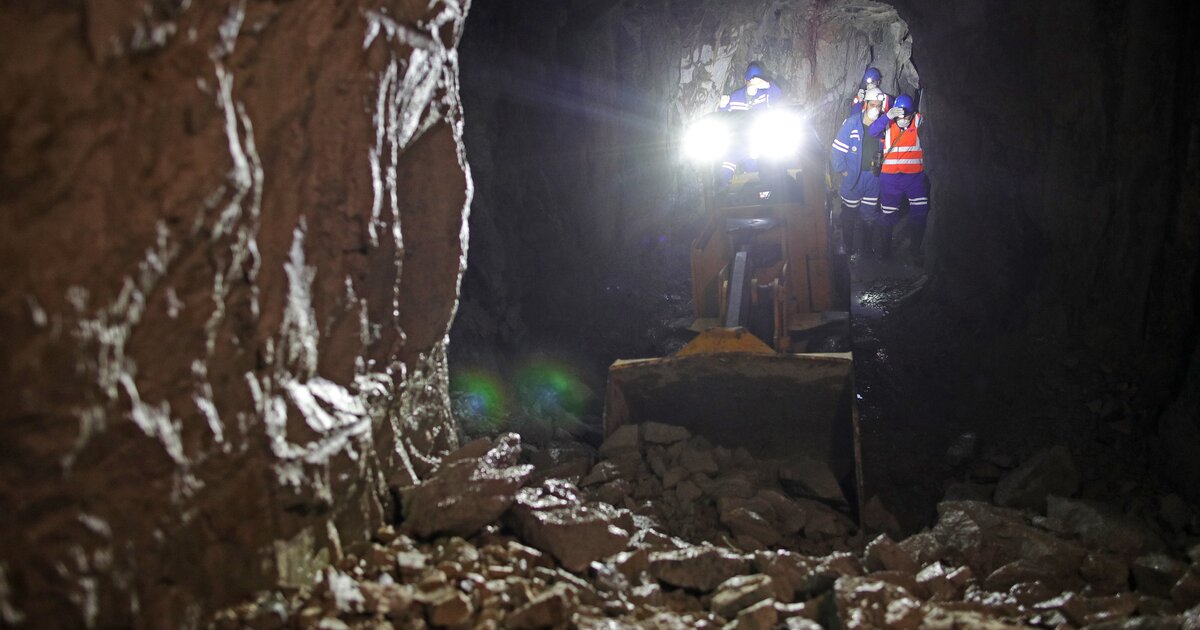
(309, 314)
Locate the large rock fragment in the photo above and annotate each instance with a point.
(546, 610)
(789, 515)
(697, 460)
(740, 592)
(806, 477)
(939, 618)
(936, 582)
(868, 603)
(1048, 472)
(699, 568)
(449, 607)
(790, 573)
(1156, 574)
(623, 440)
(1105, 572)
(877, 518)
(1083, 611)
(743, 521)
(1102, 526)
(466, 494)
(552, 517)
(760, 616)
(1186, 592)
(823, 521)
(883, 554)
(989, 537)
(659, 433)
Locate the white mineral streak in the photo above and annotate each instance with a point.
(8, 611)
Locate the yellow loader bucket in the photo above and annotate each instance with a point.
(736, 391)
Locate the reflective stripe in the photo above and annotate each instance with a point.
(729, 166)
(888, 209)
(849, 203)
(919, 199)
(841, 149)
(840, 144)
(906, 161)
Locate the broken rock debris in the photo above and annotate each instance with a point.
(746, 544)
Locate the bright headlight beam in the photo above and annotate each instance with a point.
(776, 135)
(706, 140)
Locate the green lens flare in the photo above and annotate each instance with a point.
(478, 394)
(550, 382)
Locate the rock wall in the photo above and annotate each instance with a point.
(232, 239)
(1064, 157)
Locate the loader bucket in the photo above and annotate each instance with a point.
(737, 392)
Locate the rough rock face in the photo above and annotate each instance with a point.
(232, 236)
(1053, 238)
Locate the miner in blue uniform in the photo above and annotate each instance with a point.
(871, 79)
(759, 92)
(854, 155)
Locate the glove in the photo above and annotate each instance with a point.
(862, 94)
(724, 101)
(895, 112)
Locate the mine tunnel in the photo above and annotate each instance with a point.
(426, 314)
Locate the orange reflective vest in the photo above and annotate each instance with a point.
(902, 148)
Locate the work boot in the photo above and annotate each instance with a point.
(885, 241)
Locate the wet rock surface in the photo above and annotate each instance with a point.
(232, 236)
(559, 557)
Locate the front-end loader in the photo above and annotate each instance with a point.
(770, 369)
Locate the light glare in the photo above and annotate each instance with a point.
(706, 140)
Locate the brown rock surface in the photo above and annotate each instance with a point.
(760, 616)
(554, 518)
(1048, 472)
(867, 603)
(463, 496)
(659, 433)
(989, 537)
(698, 568)
(1103, 526)
(232, 236)
(1156, 574)
(740, 592)
(807, 477)
(883, 554)
(549, 609)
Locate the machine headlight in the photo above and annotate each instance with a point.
(776, 135)
(706, 140)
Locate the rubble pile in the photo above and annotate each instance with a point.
(505, 537)
(703, 493)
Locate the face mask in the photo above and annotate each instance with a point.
(873, 113)
(903, 122)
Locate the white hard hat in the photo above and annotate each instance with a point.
(873, 94)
